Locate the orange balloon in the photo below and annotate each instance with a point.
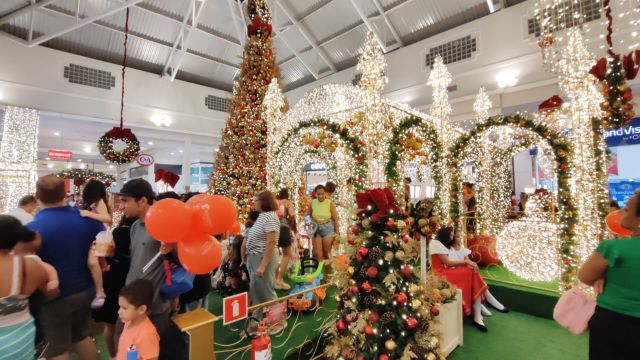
(168, 220)
(201, 254)
(235, 229)
(613, 224)
(213, 214)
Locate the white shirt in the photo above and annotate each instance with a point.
(436, 247)
(458, 254)
(257, 237)
(21, 215)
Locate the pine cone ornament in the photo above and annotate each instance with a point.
(369, 299)
(376, 253)
(423, 325)
(387, 317)
(363, 272)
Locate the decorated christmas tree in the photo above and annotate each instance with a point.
(240, 167)
(384, 311)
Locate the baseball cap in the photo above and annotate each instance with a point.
(137, 188)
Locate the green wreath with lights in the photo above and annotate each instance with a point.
(124, 156)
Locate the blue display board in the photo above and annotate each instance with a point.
(628, 135)
(622, 190)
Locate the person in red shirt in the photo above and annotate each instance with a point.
(139, 334)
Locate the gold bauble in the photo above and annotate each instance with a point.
(351, 270)
(390, 345)
(388, 256)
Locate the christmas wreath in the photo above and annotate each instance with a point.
(80, 176)
(126, 155)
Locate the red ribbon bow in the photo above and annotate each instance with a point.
(551, 104)
(382, 199)
(599, 69)
(121, 133)
(257, 24)
(167, 177)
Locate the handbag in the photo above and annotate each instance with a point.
(574, 310)
(178, 281)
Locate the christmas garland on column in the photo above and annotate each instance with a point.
(105, 143)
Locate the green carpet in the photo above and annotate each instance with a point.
(498, 273)
(520, 336)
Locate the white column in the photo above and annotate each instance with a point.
(185, 178)
(18, 155)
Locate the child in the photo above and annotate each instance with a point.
(94, 206)
(235, 278)
(139, 335)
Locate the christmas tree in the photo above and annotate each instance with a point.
(240, 167)
(384, 312)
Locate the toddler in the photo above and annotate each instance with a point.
(139, 335)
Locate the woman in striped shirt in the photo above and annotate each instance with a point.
(262, 257)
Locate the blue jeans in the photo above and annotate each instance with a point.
(325, 230)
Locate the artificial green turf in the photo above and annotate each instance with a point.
(520, 336)
(499, 273)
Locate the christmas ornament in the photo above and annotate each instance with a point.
(354, 290)
(406, 270)
(366, 287)
(401, 299)
(390, 345)
(372, 272)
(411, 323)
(341, 325)
(383, 357)
(368, 330)
(435, 310)
(363, 252)
(373, 317)
(355, 229)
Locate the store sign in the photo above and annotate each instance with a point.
(144, 160)
(59, 154)
(621, 191)
(628, 135)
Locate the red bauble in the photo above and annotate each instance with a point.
(368, 330)
(390, 223)
(359, 258)
(406, 238)
(355, 229)
(352, 241)
(341, 325)
(354, 290)
(435, 310)
(360, 357)
(411, 323)
(363, 251)
(383, 357)
(316, 144)
(366, 287)
(373, 317)
(401, 299)
(372, 272)
(406, 270)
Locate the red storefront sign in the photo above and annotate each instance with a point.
(60, 154)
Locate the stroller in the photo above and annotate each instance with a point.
(308, 273)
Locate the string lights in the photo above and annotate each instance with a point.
(18, 155)
(439, 80)
(529, 247)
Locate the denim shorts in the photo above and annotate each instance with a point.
(326, 229)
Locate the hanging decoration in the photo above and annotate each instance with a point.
(81, 176)
(106, 142)
(613, 72)
(168, 177)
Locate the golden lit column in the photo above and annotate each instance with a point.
(439, 79)
(18, 155)
(374, 122)
(586, 188)
(272, 111)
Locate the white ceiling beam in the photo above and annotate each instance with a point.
(185, 39)
(394, 32)
(31, 20)
(27, 9)
(369, 25)
(88, 20)
(110, 27)
(305, 33)
(179, 37)
(297, 55)
(236, 25)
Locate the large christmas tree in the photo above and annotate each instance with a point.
(384, 311)
(240, 168)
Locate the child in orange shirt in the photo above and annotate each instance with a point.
(139, 334)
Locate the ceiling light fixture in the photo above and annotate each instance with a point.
(79, 160)
(50, 166)
(47, 158)
(110, 166)
(150, 143)
(87, 149)
(492, 8)
(57, 133)
(507, 78)
(161, 120)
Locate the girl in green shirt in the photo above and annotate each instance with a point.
(613, 270)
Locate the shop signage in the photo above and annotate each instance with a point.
(628, 135)
(59, 154)
(144, 160)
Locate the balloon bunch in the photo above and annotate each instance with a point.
(190, 225)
